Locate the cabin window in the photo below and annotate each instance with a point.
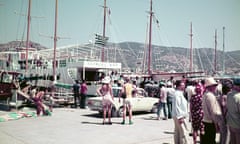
(63, 63)
(6, 78)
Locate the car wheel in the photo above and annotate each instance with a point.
(120, 112)
(114, 112)
(100, 113)
(154, 108)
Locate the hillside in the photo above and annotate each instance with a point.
(166, 59)
(13, 45)
(177, 58)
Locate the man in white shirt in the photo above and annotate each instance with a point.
(180, 113)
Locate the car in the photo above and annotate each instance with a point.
(140, 103)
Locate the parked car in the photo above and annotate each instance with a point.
(141, 102)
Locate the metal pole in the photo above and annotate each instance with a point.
(104, 26)
(28, 33)
(150, 40)
(55, 42)
(223, 66)
(215, 54)
(191, 49)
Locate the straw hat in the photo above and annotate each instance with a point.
(106, 80)
(210, 82)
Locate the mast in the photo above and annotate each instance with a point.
(145, 52)
(215, 53)
(55, 42)
(28, 33)
(150, 40)
(223, 65)
(104, 26)
(191, 51)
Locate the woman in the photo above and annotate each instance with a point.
(83, 94)
(107, 98)
(37, 99)
(197, 112)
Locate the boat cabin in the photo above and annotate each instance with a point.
(7, 79)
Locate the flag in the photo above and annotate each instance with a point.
(100, 40)
(109, 11)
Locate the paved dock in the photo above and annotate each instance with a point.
(75, 126)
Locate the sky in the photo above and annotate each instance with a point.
(127, 20)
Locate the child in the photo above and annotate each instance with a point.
(37, 99)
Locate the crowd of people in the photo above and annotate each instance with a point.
(211, 106)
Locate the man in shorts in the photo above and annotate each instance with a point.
(127, 96)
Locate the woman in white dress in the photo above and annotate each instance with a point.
(107, 98)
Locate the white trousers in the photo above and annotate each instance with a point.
(180, 132)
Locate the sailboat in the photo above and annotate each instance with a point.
(63, 65)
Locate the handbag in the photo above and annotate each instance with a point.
(124, 95)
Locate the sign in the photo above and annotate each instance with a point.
(97, 64)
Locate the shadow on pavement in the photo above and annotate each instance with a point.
(95, 115)
(99, 123)
(150, 118)
(167, 132)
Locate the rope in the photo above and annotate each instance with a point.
(232, 59)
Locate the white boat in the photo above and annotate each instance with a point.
(62, 65)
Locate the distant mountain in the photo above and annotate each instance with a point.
(14, 45)
(176, 58)
(165, 59)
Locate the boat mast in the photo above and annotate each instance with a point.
(55, 42)
(191, 49)
(223, 65)
(104, 26)
(28, 33)
(150, 40)
(215, 53)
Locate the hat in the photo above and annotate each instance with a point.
(210, 82)
(227, 85)
(162, 83)
(106, 80)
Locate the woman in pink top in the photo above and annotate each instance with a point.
(37, 99)
(83, 94)
(107, 98)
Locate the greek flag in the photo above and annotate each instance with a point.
(100, 40)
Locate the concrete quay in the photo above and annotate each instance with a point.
(82, 126)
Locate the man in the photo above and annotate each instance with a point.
(127, 91)
(162, 101)
(212, 118)
(83, 94)
(233, 112)
(76, 88)
(170, 95)
(179, 114)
